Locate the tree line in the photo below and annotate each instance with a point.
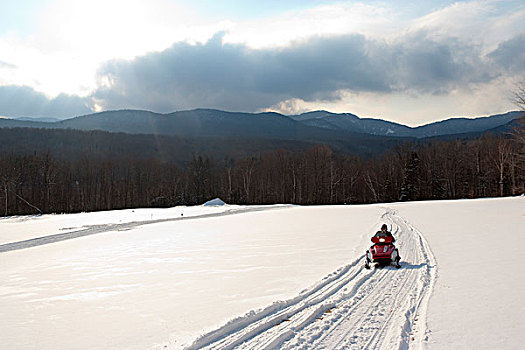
(488, 166)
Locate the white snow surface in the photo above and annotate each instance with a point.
(254, 277)
(19, 228)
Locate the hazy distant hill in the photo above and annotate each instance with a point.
(177, 137)
(350, 122)
(504, 129)
(465, 125)
(21, 123)
(317, 125)
(45, 120)
(201, 123)
(209, 131)
(265, 129)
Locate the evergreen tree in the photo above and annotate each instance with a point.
(410, 187)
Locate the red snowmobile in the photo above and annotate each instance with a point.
(383, 252)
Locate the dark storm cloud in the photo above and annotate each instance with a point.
(510, 54)
(235, 77)
(23, 101)
(424, 65)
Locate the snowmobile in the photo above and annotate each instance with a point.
(383, 252)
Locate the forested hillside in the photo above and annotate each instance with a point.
(90, 179)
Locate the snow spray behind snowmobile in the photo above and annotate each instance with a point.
(383, 252)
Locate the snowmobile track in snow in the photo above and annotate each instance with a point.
(94, 229)
(353, 308)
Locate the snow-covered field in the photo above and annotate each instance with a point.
(264, 277)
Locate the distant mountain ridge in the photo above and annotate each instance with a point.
(451, 126)
(316, 125)
(202, 128)
(194, 123)
(176, 137)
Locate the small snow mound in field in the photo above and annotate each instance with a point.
(214, 202)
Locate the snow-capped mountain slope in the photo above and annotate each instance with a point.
(350, 122)
(265, 277)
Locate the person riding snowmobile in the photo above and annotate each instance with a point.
(383, 233)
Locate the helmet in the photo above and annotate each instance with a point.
(384, 227)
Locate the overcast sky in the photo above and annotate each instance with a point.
(411, 62)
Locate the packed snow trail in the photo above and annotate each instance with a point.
(94, 229)
(352, 308)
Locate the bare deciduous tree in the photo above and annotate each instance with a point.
(518, 161)
(519, 97)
